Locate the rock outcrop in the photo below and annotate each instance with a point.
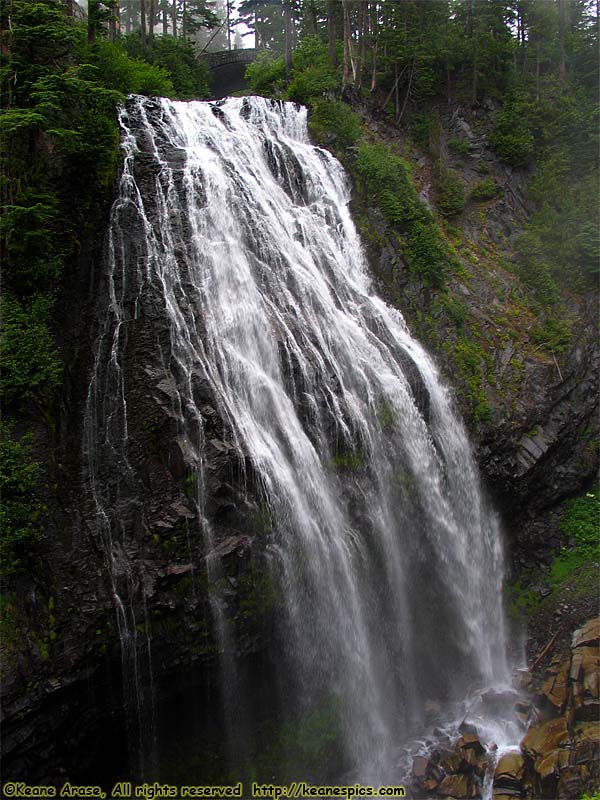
(532, 412)
(559, 756)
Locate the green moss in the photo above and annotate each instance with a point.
(521, 601)
(582, 520)
(386, 415)
(262, 521)
(256, 598)
(189, 484)
(469, 358)
(350, 460)
(303, 743)
(9, 634)
(454, 308)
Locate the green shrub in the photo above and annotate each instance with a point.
(388, 177)
(426, 253)
(30, 229)
(581, 522)
(512, 136)
(421, 128)
(483, 190)
(119, 71)
(333, 119)
(20, 509)
(554, 335)
(455, 308)
(450, 193)
(29, 366)
(175, 60)
(534, 269)
(460, 146)
(266, 75)
(313, 75)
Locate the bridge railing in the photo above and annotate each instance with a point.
(223, 57)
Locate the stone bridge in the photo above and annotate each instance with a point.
(227, 68)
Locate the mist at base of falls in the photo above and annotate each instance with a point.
(234, 232)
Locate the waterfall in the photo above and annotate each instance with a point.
(236, 231)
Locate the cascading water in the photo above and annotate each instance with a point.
(388, 562)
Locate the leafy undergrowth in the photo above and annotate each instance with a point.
(571, 579)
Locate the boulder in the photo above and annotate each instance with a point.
(585, 679)
(571, 783)
(542, 739)
(419, 766)
(522, 679)
(510, 765)
(589, 634)
(471, 741)
(455, 786)
(556, 687)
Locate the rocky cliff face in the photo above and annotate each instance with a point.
(532, 411)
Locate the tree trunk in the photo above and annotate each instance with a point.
(312, 16)
(346, 69)
(228, 9)
(151, 21)
(174, 18)
(143, 32)
(331, 31)
(184, 21)
(374, 45)
(473, 27)
(562, 26)
(360, 45)
(287, 27)
(165, 18)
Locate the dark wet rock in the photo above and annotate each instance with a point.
(457, 786)
(467, 728)
(420, 766)
(470, 741)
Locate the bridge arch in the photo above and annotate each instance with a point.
(227, 68)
